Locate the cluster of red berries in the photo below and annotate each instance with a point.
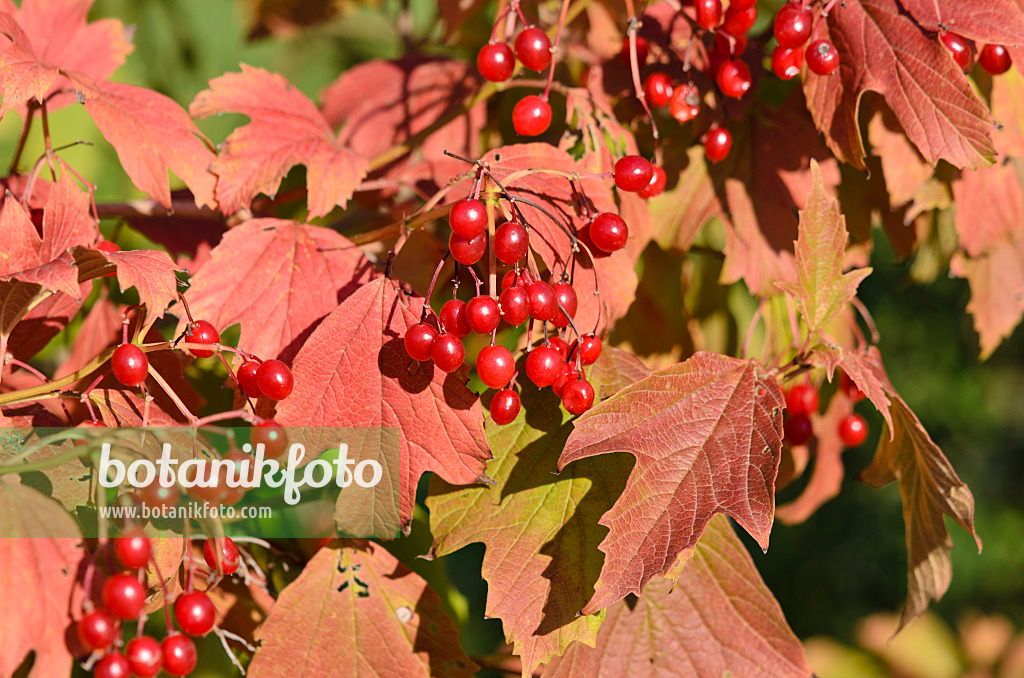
(495, 61)
(802, 401)
(993, 58)
(123, 597)
(794, 25)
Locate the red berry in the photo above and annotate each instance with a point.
(733, 79)
(247, 380)
(684, 105)
(709, 13)
(448, 353)
(542, 300)
(642, 49)
(995, 59)
(515, 305)
(531, 116)
(132, 548)
(202, 332)
(144, 656)
(269, 433)
(632, 173)
(543, 365)
(275, 379)
(107, 247)
(482, 314)
(467, 251)
(97, 630)
(129, 364)
(228, 555)
(419, 341)
(658, 89)
(511, 242)
(608, 232)
(180, 656)
(533, 48)
(568, 375)
(802, 399)
(793, 24)
(850, 388)
(853, 430)
(738, 21)
(797, 429)
(123, 596)
(959, 48)
(505, 406)
(468, 218)
(194, 613)
(786, 61)
(589, 348)
(822, 57)
(566, 297)
(717, 144)
(560, 345)
(453, 318)
(657, 185)
(495, 366)
(495, 62)
(577, 396)
(512, 278)
(114, 665)
(157, 497)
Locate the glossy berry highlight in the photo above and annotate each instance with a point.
(194, 613)
(132, 548)
(505, 406)
(247, 380)
(495, 366)
(577, 396)
(533, 48)
(717, 144)
(453, 318)
(495, 62)
(275, 379)
(180, 655)
(531, 116)
(608, 232)
(144, 656)
(793, 25)
(853, 430)
(733, 79)
(202, 332)
(228, 555)
(482, 314)
(995, 59)
(802, 399)
(632, 173)
(658, 89)
(448, 353)
(511, 242)
(98, 629)
(822, 57)
(467, 251)
(123, 596)
(468, 218)
(129, 364)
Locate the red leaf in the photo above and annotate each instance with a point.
(278, 279)
(354, 371)
(998, 21)
(882, 50)
(100, 329)
(383, 103)
(151, 135)
(357, 611)
(865, 369)
(40, 566)
(50, 36)
(718, 619)
(707, 437)
(285, 130)
(150, 272)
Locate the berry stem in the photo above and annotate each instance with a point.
(634, 67)
(554, 47)
(864, 313)
(192, 419)
(492, 268)
(223, 416)
(26, 127)
(433, 281)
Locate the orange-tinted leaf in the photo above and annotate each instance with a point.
(52, 35)
(681, 211)
(719, 619)
(822, 290)
(930, 488)
(38, 574)
(541, 576)
(354, 371)
(356, 611)
(707, 437)
(150, 272)
(99, 330)
(865, 369)
(905, 170)
(277, 279)
(380, 104)
(999, 21)
(766, 179)
(151, 134)
(882, 50)
(285, 130)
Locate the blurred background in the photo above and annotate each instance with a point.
(840, 576)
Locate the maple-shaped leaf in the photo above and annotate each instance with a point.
(40, 557)
(717, 619)
(616, 274)
(989, 218)
(822, 290)
(881, 49)
(707, 437)
(930, 489)
(357, 611)
(51, 36)
(766, 178)
(998, 21)
(380, 104)
(277, 279)
(864, 367)
(354, 371)
(541, 576)
(285, 130)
